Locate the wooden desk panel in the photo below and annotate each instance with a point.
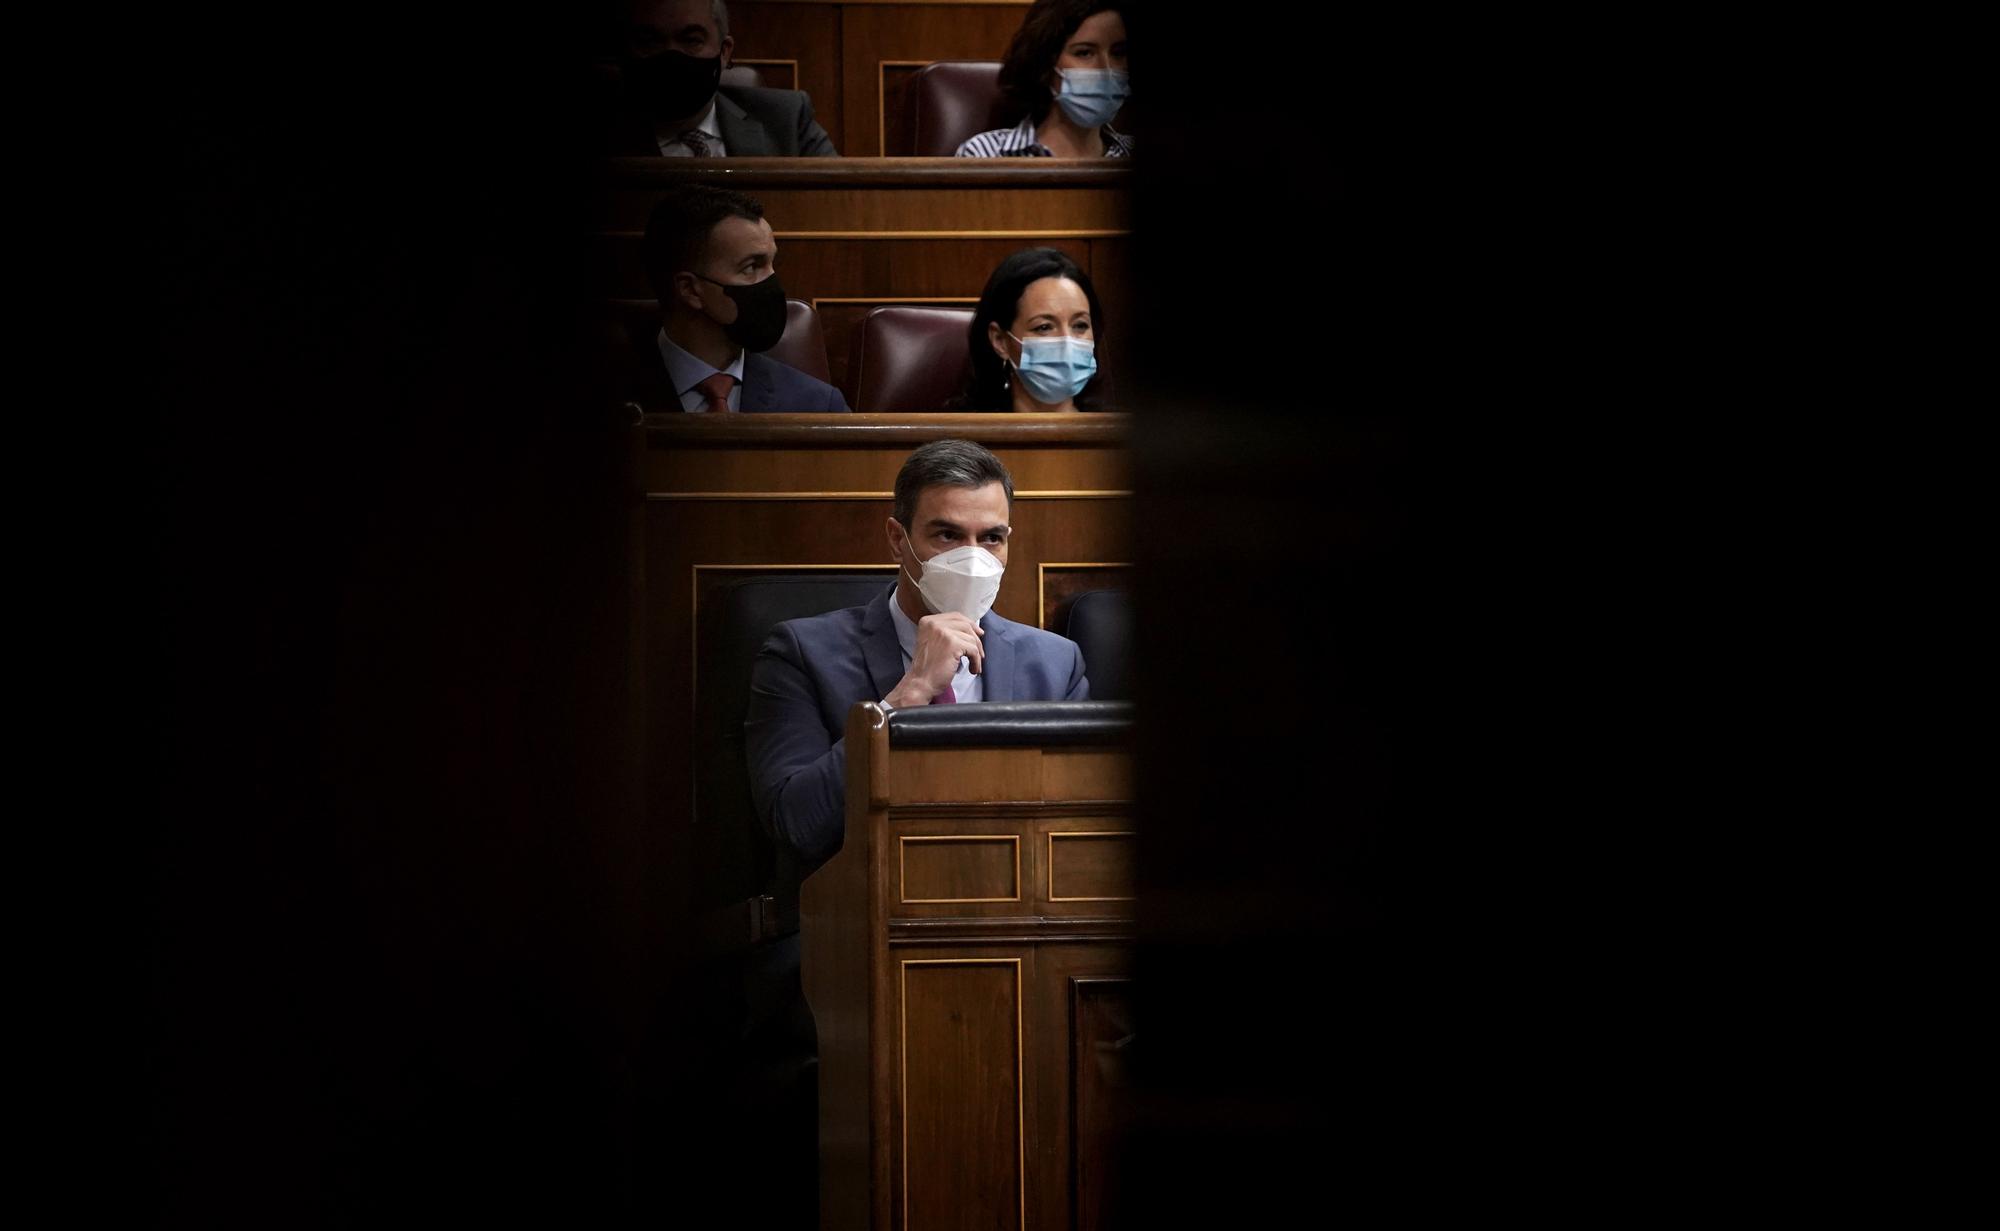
(893, 194)
(971, 1053)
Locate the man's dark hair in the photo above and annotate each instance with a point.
(1031, 57)
(947, 463)
(998, 304)
(679, 228)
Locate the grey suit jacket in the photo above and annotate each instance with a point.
(810, 672)
(772, 123)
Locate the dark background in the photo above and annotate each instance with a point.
(405, 961)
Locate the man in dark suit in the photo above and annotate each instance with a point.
(931, 639)
(712, 262)
(670, 100)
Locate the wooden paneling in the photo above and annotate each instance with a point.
(949, 989)
(1085, 774)
(959, 868)
(872, 35)
(925, 774)
(844, 195)
(1090, 865)
(880, 269)
(1101, 1034)
(963, 1101)
(777, 74)
(808, 34)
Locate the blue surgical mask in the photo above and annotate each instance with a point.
(1054, 370)
(1091, 96)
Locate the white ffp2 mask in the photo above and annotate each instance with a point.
(964, 579)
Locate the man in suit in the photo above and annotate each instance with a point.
(713, 264)
(671, 101)
(930, 639)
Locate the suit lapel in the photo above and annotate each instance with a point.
(878, 646)
(998, 680)
(759, 392)
(744, 137)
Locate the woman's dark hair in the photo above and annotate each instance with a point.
(1031, 57)
(999, 303)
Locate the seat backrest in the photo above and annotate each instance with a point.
(910, 359)
(735, 858)
(954, 99)
(1100, 622)
(803, 345)
(742, 75)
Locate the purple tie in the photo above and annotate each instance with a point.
(947, 697)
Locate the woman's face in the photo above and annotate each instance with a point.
(1098, 43)
(1049, 308)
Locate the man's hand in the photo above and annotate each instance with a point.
(942, 640)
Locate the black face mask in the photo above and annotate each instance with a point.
(760, 313)
(672, 85)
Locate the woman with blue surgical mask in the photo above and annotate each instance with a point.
(1064, 79)
(1034, 337)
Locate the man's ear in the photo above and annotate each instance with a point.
(896, 537)
(687, 288)
(728, 49)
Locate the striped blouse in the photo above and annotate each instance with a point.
(1019, 142)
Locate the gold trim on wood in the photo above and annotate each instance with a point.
(817, 300)
(1048, 495)
(902, 873)
(794, 63)
(1011, 811)
(1036, 233)
(1020, 1075)
(1083, 833)
(882, 98)
(1042, 581)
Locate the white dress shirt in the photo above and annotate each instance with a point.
(964, 685)
(687, 372)
(671, 145)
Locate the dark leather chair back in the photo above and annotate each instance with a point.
(954, 99)
(736, 859)
(803, 346)
(1100, 621)
(742, 74)
(910, 359)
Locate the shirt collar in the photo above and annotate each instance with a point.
(687, 371)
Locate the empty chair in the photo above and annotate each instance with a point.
(953, 99)
(910, 359)
(803, 345)
(1100, 621)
